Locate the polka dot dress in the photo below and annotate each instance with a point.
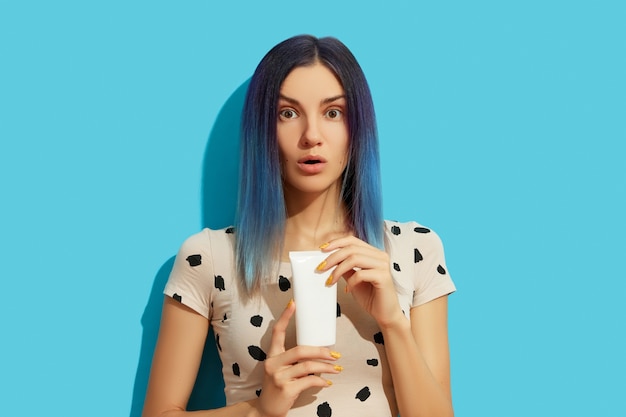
(203, 279)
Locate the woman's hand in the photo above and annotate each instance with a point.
(289, 373)
(367, 273)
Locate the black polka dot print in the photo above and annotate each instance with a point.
(421, 230)
(338, 310)
(441, 270)
(194, 260)
(257, 353)
(395, 230)
(217, 342)
(283, 283)
(372, 362)
(258, 393)
(396, 267)
(230, 230)
(324, 410)
(177, 298)
(225, 318)
(378, 338)
(256, 321)
(363, 394)
(219, 282)
(417, 256)
(236, 370)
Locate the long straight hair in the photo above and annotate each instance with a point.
(261, 212)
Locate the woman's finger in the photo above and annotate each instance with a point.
(279, 331)
(306, 353)
(310, 381)
(346, 247)
(305, 368)
(354, 259)
(374, 278)
(342, 242)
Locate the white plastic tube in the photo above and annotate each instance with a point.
(316, 304)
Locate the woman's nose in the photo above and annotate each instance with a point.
(311, 135)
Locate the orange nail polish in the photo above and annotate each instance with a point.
(329, 382)
(335, 355)
(324, 245)
(289, 303)
(338, 368)
(321, 266)
(329, 281)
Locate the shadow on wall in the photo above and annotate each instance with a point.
(221, 164)
(219, 199)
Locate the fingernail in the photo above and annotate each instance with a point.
(329, 382)
(338, 368)
(329, 281)
(289, 303)
(321, 266)
(324, 245)
(335, 355)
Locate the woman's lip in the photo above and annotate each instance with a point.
(312, 168)
(311, 158)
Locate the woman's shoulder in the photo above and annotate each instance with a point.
(214, 244)
(405, 230)
(418, 249)
(411, 235)
(207, 236)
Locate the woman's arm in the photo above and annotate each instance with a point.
(419, 360)
(417, 350)
(175, 365)
(179, 351)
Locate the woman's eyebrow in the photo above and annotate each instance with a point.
(324, 101)
(289, 99)
(331, 99)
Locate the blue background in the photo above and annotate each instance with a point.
(501, 126)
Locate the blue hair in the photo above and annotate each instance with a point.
(261, 212)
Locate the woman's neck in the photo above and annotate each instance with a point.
(313, 219)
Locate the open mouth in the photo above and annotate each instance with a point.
(312, 164)
(311, 160)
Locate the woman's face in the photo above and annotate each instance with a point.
(312, 129)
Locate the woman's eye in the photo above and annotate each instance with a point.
(288, 114)
(334, 114)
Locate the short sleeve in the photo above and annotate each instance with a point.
(431, 277)
(190, 280)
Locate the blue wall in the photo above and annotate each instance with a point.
(502, 127)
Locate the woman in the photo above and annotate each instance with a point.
(309, 179)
